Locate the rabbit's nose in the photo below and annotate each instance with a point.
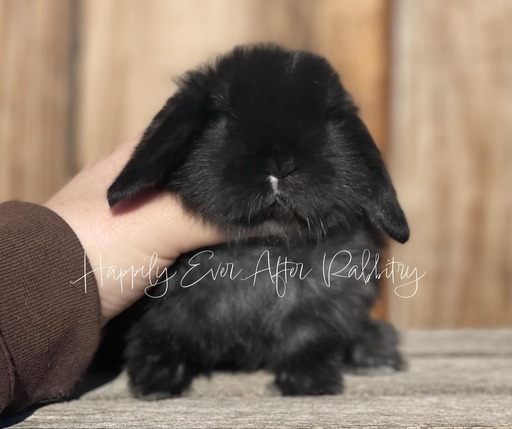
(279, 167)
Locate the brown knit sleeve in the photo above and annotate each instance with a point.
(49, 326)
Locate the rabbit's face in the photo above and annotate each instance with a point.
(266, 139)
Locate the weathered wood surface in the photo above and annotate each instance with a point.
(35, 54)
(451, 159)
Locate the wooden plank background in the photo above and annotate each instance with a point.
(452, 157)
(35, 81)
(79, 76)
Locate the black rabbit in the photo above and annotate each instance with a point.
(266, 142)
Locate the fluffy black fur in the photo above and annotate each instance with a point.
(267, 140)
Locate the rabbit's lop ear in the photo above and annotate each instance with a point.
(380, 204)
(384, 212)
(161, 150)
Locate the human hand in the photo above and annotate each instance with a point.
(147, 233)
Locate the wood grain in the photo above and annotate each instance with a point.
(34, 97)
(452, 157)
